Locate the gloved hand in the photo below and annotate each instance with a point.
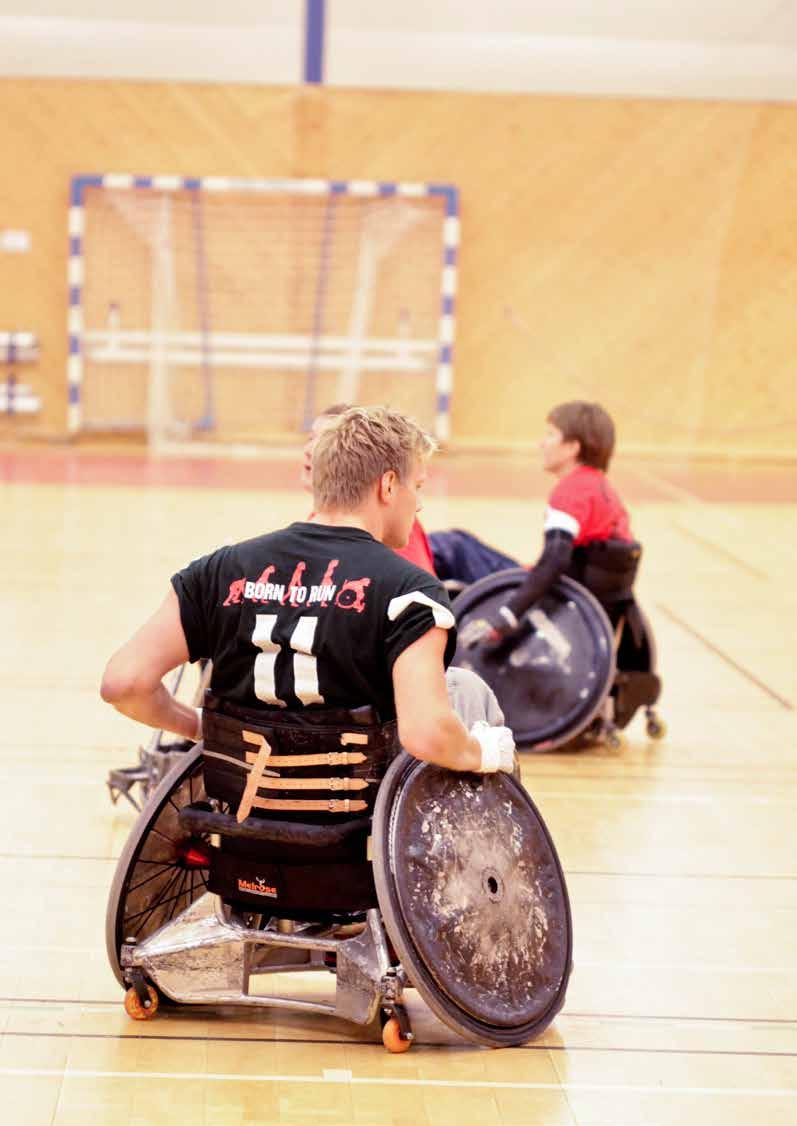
(490, 633)
(479, 631)
(497, 745)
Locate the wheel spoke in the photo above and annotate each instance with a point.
(150, 878)
(157, 833)
(156, 892)
(152, 907)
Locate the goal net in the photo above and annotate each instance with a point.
(228, 312)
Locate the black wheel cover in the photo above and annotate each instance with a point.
(473, 898)
(553, 682)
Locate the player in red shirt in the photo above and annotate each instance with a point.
(417, 550)
(587, 533)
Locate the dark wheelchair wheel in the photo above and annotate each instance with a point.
(553, 679)
(162, 869)
(473, 899)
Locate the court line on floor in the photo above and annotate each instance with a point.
(677, 875)
(663, 799)
(426, 1044)
(668, 613)
(685, 496)
(98, 1006)
(715, 549)
(55, 856)
(345, 1076)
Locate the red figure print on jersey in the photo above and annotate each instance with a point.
(266, 576)
(327, 579)
(236, 593)
(296, 581)
(351, 595)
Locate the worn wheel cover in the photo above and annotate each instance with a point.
(473, 899)
(554, 681)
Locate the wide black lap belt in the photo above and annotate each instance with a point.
(607, 568)
(318, 764)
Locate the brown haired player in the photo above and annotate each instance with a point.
(322, 614)
(587, 533)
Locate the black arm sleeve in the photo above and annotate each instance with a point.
(554, 561)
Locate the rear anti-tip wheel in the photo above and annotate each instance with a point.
(615, 740)
(393, 1038)
(656, 728)
(134, 1007)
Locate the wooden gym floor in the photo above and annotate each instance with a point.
(680, 856)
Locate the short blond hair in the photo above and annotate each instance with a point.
(357, 447)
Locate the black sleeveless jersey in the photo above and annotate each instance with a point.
(310, 615)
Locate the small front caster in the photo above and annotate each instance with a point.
(397, 1035)
(140, 1007)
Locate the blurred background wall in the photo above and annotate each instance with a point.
(631, 243)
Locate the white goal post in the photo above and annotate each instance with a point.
(226, 313)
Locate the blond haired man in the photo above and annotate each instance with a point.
(417, 549)
(321, 614)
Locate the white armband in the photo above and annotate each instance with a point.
(497, 746)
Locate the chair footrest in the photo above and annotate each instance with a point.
(199, 817)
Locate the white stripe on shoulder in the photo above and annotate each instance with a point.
(555, 518)
(442, 615)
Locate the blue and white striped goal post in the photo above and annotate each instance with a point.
(310, 187)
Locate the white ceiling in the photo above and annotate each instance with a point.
(772, 22)
(733, 49)
(696, 21)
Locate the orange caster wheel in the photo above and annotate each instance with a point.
(134, 1007)
(393, 1039)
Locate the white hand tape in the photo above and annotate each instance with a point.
(497, 746)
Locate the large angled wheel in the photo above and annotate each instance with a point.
(553, 680)
(473, 899)
(160, 872)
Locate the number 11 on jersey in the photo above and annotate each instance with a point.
(303, 663)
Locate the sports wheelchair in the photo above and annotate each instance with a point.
(398, 875)
(575, 674)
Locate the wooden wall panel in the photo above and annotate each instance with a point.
(642, 253)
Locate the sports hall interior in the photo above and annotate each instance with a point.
(638, 248)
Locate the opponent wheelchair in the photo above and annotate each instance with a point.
(400, 874)
(573, 675)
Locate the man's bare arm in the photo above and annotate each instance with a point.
(428, 727)
(132, 680)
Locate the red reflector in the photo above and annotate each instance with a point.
(194, 857)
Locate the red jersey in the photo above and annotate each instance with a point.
(584, 504)
(417, 550)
